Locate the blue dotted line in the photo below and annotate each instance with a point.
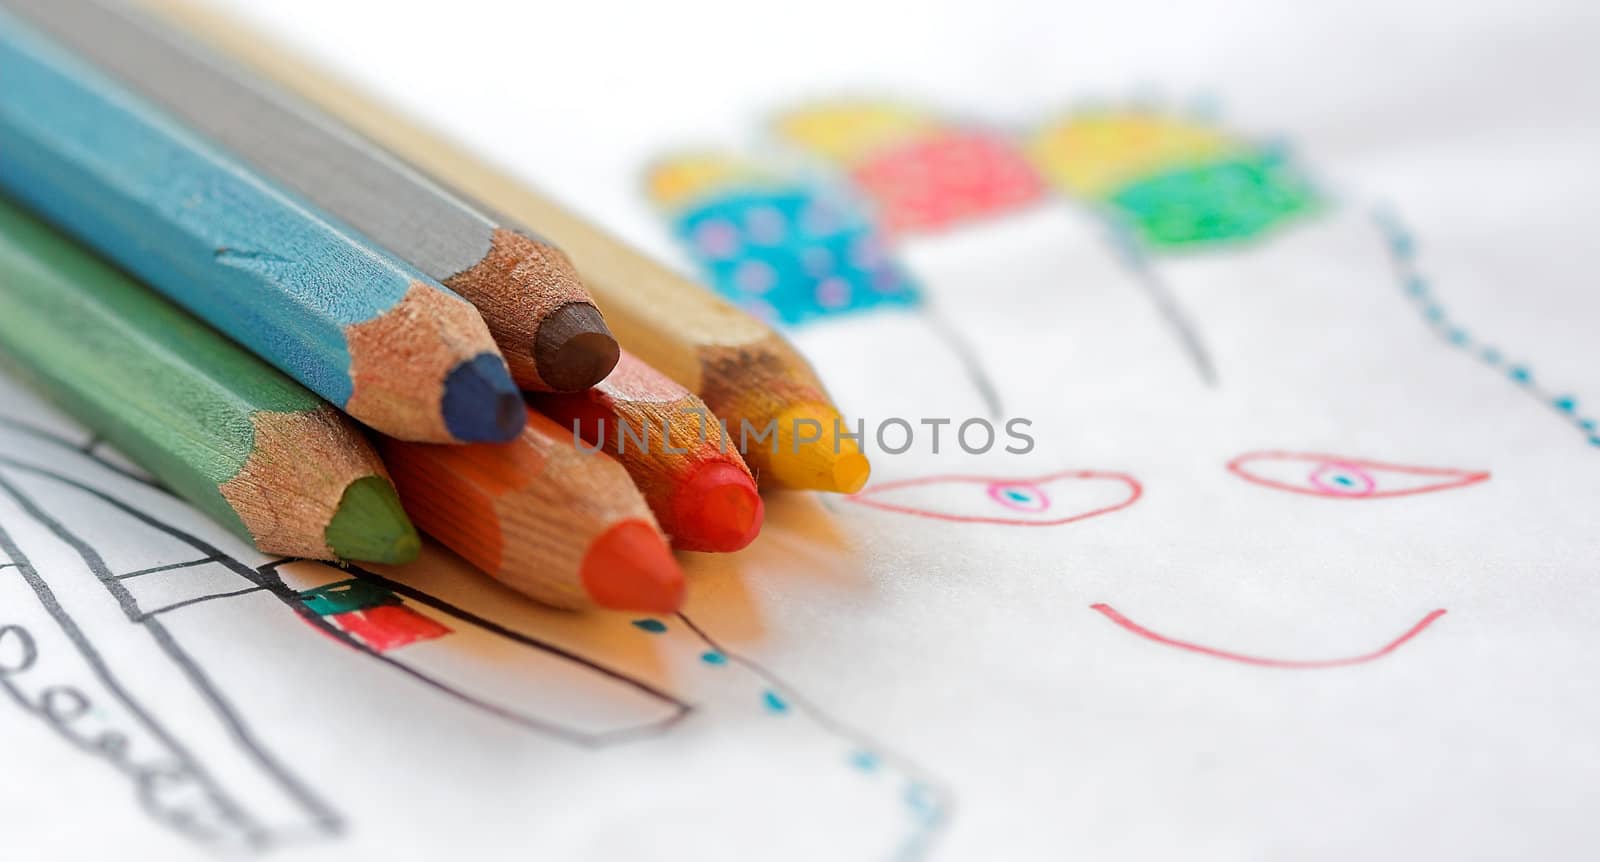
(1402, 247)
(923, 802)
(774, 702)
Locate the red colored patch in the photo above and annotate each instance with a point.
(934, 182)
(389, 626)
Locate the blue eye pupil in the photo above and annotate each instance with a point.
(1020, 497)
(1345, 481)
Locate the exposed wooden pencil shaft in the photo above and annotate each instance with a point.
(526, 512)
(517, 279)
(660, 432)
(738, 365)
(243, 443)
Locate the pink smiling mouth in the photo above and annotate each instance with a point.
(1111, 613)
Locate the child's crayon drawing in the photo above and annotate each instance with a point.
(372, 614)
(1174, 181)
(1160, 180)
(786, 250)
(233, 789)
(1042, 501)
(793, 249)
(925, 804)
(1343, 478)
(922, 174)
(1420, 292)
(1421, 625)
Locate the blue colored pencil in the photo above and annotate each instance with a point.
(363, 329)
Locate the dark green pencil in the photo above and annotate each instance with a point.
(237, 439)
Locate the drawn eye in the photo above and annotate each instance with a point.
(1346, 478)
(1044, 501)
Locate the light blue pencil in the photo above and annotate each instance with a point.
(368, 332)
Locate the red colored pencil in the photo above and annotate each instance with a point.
(675, 450)
(563, 526)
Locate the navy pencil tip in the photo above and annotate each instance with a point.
(480, 403)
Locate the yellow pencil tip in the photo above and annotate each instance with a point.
(850, 474)
(812, 455)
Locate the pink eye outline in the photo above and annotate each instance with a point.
(1019, 494)
(1336, 477)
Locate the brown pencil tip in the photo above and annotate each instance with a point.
(574, 349)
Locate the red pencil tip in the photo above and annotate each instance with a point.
(629, 568)
(717, 509)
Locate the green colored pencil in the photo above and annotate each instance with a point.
(240, 441)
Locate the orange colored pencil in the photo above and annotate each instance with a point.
(671, 444)
(563, 526)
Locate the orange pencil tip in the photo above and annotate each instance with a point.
(717, 509)
(630, 568)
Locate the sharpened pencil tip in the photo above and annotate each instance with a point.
(370, 526)
(816, 452)
(574, 349)
(480, 403)
(850, 472)
(717, 509)
(629, 568)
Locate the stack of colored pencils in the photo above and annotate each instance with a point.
(226, 264)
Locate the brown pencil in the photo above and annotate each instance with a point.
(747, 373)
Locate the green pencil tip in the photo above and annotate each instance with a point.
(370, 526)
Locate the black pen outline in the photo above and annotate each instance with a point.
(266, 579)
(321, 812)
(230, 809)
(169, 567)
(197, 600)
(55, 440)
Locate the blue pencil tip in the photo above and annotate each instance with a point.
(480, 403)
